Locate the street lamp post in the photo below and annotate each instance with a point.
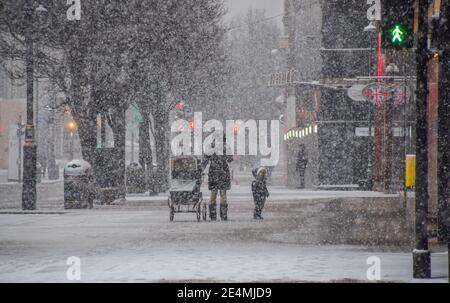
(72, 127)
(71, 147)
(29, 148)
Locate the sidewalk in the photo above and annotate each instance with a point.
(242, 194)
(50, 194)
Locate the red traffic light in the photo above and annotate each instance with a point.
(180, 106)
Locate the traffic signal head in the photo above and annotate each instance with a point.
(179, 106)
(397, 34)
(398, 23)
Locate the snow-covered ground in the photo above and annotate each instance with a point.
(117, 244)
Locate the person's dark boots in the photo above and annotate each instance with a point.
(224, 212)
(260, 210)
(212, 212)
(255, 214)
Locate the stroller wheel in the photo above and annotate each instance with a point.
(171, 214)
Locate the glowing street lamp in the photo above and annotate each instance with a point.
(71, 125)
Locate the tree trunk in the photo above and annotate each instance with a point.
(87, 130)
(162, 148)
(145, 149)
(88, 138)
(117, 121)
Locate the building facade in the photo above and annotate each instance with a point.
(12, 112)
(51, 133)
(332, 143)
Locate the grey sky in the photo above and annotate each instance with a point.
(272, 7)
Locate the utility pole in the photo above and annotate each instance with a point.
(421, 253)
(444, 127)
(29, 149)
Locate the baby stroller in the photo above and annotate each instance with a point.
(185, 195)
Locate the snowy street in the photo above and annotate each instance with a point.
(137, 243)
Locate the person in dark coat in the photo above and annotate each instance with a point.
(259, 191)
(301, 164)
(219, 181)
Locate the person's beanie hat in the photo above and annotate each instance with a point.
(262, 171)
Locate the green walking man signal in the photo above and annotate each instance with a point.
(398, 23)
(398, 34)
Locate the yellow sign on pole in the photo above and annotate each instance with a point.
(410, 176)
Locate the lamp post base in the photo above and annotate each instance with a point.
(421, 264)
(29, 177)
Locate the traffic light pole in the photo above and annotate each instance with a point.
(29, 149)
(421, 253)
(444, 130)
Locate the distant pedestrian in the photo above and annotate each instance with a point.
(260, 192)
(302, 162)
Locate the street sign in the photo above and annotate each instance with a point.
(377, 93)
(356, 92)
(283, 78)
(364, 132)
(401, 95)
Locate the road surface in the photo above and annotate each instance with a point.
(135, 242)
